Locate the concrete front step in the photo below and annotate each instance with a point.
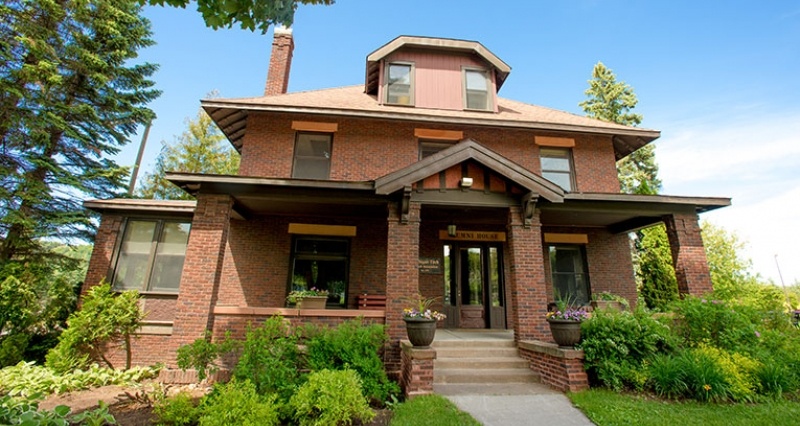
(490, 343)
(481, 363)
(475, 352)
(498, 375)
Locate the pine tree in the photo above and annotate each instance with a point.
(70, 96)
(610, 100)
(201, 148)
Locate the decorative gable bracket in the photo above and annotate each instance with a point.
(405, 203)
(528, 208)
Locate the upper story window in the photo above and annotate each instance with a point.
(312, 156)
(476, 89)
(557, 166)
(151, 254)
(400, 84)
(568, 270)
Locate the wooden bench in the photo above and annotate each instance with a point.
(371, 301)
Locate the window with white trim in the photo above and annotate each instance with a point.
(476, 89)
(150, 255)
(557, 166)
(312, 156)
(400, 84)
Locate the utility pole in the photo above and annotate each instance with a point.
(135, 171)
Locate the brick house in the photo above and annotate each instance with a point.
(422, 179)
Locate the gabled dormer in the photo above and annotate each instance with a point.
(424, 72)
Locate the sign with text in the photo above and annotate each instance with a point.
(474, 236)
(430, 265)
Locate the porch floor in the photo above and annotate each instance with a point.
(472, 334)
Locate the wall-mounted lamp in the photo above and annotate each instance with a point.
(466, 182)
(451, 230)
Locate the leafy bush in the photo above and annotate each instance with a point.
(26, 379)
(739, 371)
(179, 410)
(270, 359)
(238, 403)
(105, 318)
(97, 417)
(25, 411)
(665, 376)
(616, 344)
(330, 398)
(354, 345)
(724, 325)
(704, 376)
(202, 354)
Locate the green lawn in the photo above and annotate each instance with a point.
(430, 410)
(608, 408)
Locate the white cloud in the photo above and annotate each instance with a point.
(755, 160)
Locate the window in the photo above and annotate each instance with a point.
(428, 148)
(321, 263)
(312, 156)
(476, 89)
(400, 84)
(151, 255)
(568, 270)
(557, 166)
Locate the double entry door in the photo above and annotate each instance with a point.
(473, 286)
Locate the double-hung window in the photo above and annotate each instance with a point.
(400, 84)
(568, 270)
(312, 156)
(321, 263)
(476, 89)
(557, 166)
(150, 255)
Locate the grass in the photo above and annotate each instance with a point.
(430, 410)
(608, 408)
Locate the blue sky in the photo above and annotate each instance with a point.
(719, 79)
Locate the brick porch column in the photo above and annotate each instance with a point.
(527, 284)
(402, 275)
(688, 254)
(202, 268)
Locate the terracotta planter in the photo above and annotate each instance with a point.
(312, 302)
(420, 331)
(566, 333)
(607, 304)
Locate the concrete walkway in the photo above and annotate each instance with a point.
(509, 404)
(531, 404)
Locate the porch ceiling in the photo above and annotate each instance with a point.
(622, 212)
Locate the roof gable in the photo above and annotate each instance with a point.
(465, 150)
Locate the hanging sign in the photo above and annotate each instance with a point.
(473, 236)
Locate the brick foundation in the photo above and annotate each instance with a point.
(557, 367)
(416, 377)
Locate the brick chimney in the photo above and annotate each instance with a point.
(280, 62)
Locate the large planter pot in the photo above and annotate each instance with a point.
(566, 333)
(312, 302)
(420, 331)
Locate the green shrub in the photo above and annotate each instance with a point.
(238, 403)
(105, 318)
(97, 417)
(25, 411)
(12, 348)
(725, 325)
(270, 359)
(665, 376)
(26, 379)
(739, 372)
(330, 398)
(202, 354)
(179, 410)
(704, 376)
(354, 345)
(616, 344)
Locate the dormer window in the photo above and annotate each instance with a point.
(400, 84)
(476, 89)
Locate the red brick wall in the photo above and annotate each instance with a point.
(526, 282)
(147, 349)
(280, 63)
(104, 242)
(559, 368)
(688, 254)
(159, 307)
(390, 145)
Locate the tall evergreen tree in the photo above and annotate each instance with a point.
(70, 96)
(612, 100)
(201, 148)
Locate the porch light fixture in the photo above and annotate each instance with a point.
(466, 182)
(451, 230)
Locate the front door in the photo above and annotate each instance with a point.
(473, 286)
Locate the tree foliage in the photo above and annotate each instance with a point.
(610, 100)
(105, 319)
(249, 14)
(653, 260)
(201, 148)
(70, 96)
